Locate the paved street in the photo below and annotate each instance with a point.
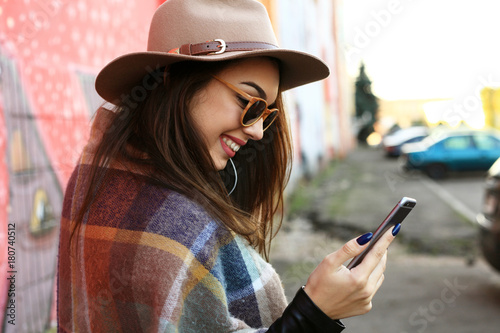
(436, 280)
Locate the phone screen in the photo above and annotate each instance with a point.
(397, 215)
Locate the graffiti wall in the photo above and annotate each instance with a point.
(50, 52)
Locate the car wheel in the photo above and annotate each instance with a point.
(436, 171)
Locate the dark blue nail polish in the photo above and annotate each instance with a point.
(396, 229)
(362, 240)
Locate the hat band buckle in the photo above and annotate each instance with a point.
(219, 46)
(222, 46)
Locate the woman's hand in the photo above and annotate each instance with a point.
(340, 292)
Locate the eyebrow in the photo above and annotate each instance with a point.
(260, 91)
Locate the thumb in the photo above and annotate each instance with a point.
(352, 248)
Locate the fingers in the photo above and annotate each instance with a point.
(376, 254)
(351, 249)
(377, 276)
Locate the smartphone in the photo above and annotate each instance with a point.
(397, 215)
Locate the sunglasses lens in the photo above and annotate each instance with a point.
(270, 118)
(254, 112)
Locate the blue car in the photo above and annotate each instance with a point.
(452, 150)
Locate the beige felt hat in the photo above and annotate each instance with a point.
(207, 30)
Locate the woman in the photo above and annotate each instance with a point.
(175, 193)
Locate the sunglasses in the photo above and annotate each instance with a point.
(255, 109)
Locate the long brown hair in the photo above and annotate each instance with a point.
(174, 155)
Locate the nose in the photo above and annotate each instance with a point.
(256, 131)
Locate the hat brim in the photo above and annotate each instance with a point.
(121, 76)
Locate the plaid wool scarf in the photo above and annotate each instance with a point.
(150, 260)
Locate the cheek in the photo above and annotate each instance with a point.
(208, 124)
(201, 106)
(215, 121)
(215, 114)
(200, 113)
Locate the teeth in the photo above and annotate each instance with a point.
(231, 144)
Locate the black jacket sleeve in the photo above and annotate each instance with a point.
(303, 316)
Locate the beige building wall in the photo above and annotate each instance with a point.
(405, 113)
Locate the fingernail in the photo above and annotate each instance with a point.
(362, 240)
(396, 229)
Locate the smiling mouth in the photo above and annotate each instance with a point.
(231, 144)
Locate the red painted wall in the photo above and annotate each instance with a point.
(50, 52)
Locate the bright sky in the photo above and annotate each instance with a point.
(424, 48)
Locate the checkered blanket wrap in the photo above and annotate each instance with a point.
(150, 260)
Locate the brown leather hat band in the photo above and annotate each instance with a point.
(218, 46)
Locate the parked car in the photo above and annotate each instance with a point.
(452, 150)
(392, 142)
(488, 219)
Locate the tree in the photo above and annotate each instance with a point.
(366, 105)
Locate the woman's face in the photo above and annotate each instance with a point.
(217, 109)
